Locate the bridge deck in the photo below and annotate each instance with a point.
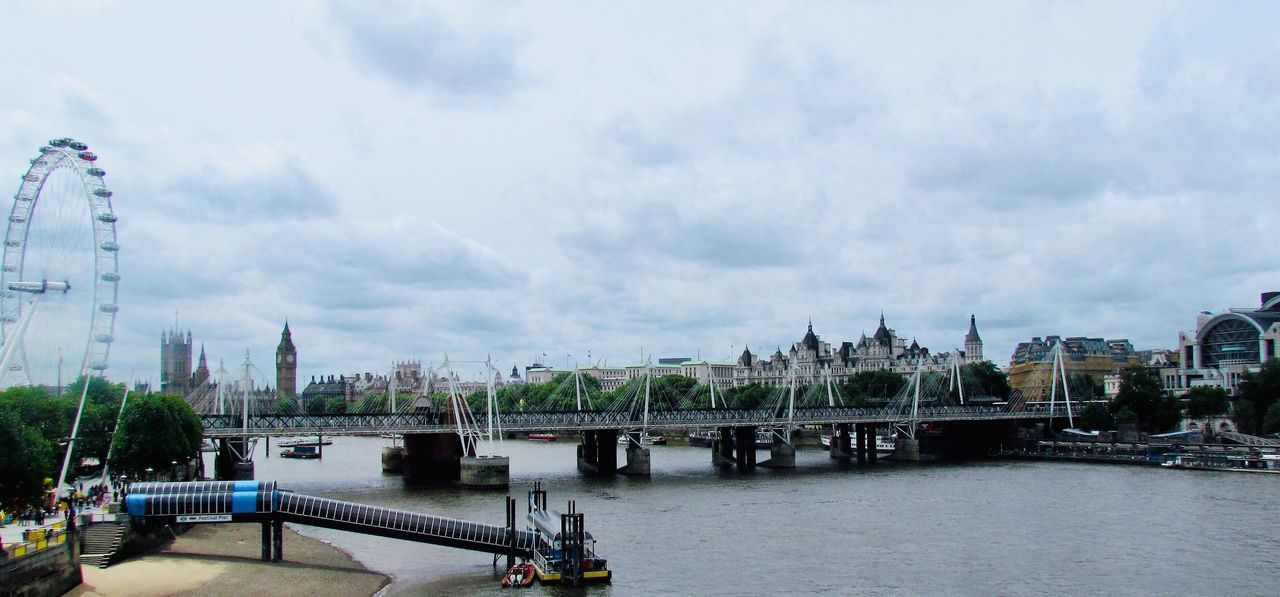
(371, 424)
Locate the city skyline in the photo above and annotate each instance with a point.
(537, 180)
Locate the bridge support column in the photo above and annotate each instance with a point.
(485, 472)
(598, 453)
(745, 448)
(393, 459)
(906, 449)
(233, 461)
(841, 446)
(782, 454)
(722, 447)
(277, 531)
(872, 433)
(860, 438)
(266, 541)
(637, 457)
(432, 458)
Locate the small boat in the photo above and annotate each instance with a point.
(305, 441)
(702, 439)
(542, 437)
(645, 440)
(301, 452)
(885, 444)
(520, 575)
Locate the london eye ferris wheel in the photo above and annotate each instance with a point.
(58, 284)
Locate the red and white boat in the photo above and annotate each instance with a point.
(520, 575)
(542, 437)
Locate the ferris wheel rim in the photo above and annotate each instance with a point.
(73, 155)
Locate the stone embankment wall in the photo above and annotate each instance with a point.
(50, 571)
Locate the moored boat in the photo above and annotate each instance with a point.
(520, 575)
(305, 441)
(301, 452)
(542, 437)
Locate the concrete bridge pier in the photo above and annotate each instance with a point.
(745, 447)
(393, 459)
(485, 472)
(906, 449)
(598, 453)
(782, 454)
(841, 442)
(432, 458)
(722, 447)
(637, 457)
(233, 462)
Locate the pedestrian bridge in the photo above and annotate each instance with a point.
(238, 426)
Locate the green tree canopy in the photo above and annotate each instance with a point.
(26, 460)
(1141, 400)
(877, 385)
(1259, 391)
(1095, 417)
(1271, 422)
(156, 430)
(1084, 387)
(986, 379)
(336, 405)
(1204, 401)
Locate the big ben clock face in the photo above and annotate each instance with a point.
(288, 359)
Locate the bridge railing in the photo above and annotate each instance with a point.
(434, 422)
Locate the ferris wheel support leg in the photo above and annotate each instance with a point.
(71, 443)
(14, 340)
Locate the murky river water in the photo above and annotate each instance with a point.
(988, 528)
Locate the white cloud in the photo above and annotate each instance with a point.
(400, 179)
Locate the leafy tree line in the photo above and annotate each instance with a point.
(34, 425)
(1143, 402)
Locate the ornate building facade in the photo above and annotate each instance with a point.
(884, 349)
(176, 376)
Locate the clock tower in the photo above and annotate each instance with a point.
(286, 365)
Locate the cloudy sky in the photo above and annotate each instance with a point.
(405, 180)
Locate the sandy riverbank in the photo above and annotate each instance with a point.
(223, 559)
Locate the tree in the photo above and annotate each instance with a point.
(26, 460)
(286, 405)
(1083, 387)
(156, 430)
(316, 406)
(336, 405)
(1141, 400)
(1259, 390)
(98, 421)
(1205, 401)
(986, 379)
(748, 396)
(877, 385)
(1095, 417)
(1271, 422)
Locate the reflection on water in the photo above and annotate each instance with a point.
(964, 529)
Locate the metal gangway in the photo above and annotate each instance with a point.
(1250, 440)
(264, 502)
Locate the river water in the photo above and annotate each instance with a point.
(981, 528)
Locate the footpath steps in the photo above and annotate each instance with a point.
(101, 541)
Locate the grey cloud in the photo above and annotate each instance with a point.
(273, 191)
(423, 51)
